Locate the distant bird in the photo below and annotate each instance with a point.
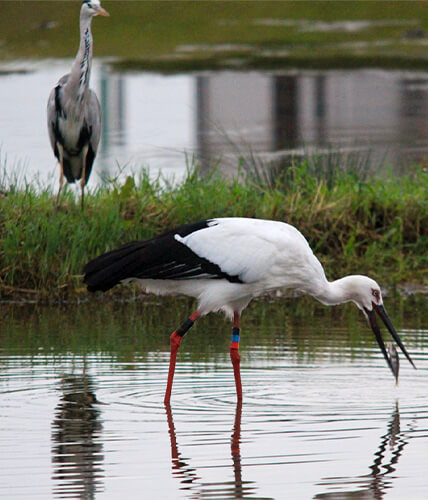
(74, 112)
(226, 262)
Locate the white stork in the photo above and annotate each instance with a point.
(226, 262)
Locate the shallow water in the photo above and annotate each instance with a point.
(163, 121)
(82, 412)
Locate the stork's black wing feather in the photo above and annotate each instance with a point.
(162, 257)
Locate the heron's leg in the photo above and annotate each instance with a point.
(61, 172)
(234, 354)
(83, 178)
(175, 344)
(82, 197)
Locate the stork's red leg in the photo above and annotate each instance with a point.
(234, 355)
(175, 344)
(236, 453)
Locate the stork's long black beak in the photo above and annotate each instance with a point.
(376, 330)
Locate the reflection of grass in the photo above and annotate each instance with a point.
(271, 61)
(355, 223)
(134, 332)
(156, 33)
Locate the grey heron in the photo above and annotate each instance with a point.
(74, 112)
(226, 262)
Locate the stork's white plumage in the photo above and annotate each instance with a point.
(226, 262)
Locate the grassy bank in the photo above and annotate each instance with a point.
(355, 224)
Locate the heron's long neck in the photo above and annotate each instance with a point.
(81, 69)
(334, 292)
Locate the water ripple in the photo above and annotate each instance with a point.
(315, 428)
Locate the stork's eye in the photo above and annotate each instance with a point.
(376, 294)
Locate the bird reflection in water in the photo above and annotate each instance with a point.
(190, 480)
(76, 447)
(375, 484)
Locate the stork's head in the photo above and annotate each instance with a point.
(366, 294)
(363, 291)
(92, 8)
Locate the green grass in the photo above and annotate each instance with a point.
(356, 223)
(161, 34)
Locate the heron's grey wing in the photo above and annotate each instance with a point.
(93, 119)
(53, 110)
(93, 129)
(52, 116)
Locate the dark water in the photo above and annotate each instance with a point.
(165, 122)
(82, 413)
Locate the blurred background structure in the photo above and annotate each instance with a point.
(274, 80)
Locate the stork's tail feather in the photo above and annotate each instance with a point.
(109, 269)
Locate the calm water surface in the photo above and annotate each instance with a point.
(162, 122)
(82, 413)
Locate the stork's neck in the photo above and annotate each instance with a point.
(81, 69)
(334, 292)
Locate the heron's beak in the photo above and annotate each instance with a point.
(391, 360)
(103, 12)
